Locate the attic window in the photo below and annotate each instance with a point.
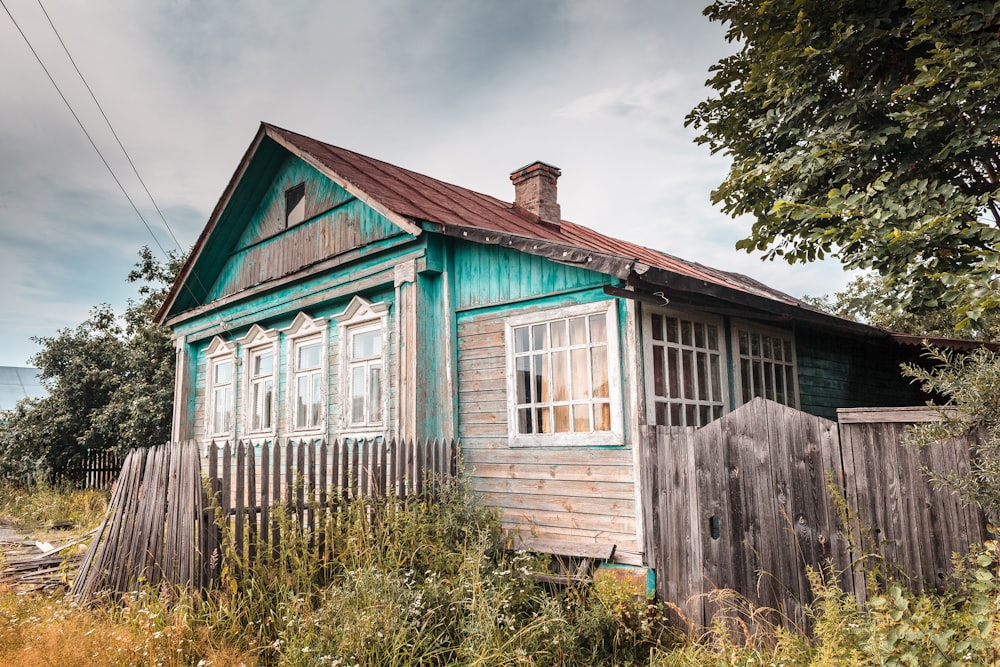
(295, 204)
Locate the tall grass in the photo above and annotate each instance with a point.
(50, 505)
(423, 583)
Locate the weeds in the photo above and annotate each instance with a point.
(391, 583)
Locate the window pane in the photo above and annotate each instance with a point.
(301, 398)
(702, 363)
(659, 377)
(686, 336)
(558, 332)
(581, 417)
(671, 325)
(699, 335)
(543, 420)
(223, 372)
(357, 394)
(366, 344)
(375, 394)
(263, 364)
(560, 376)
(578, 364)
(675, 415)
(657, 326)
(661, 413)
(599, 371)
(745, 382)
(257, 407)
(522, 377)
(309, 356)
(744, 343)
(602, 417)
(541, 378)
(317, 396)
(690, 415)
(704, 415)
(688, 373)
(713, 337)
(562, 418)
(598, 328)
(578, 331)
(524, 421)
(716, 373)
(268, 407)
(521, 339)
(674, 372)
(538, 337)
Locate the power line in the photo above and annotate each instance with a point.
(82, 127)
(110, 127)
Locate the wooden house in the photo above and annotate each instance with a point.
(335, 296)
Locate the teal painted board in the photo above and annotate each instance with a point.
(835, 372)
(487, 275)
(334, 223)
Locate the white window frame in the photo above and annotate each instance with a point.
(305, 331)
(257, 341)
(360, 316)
(786, 336)
(684, 403)
(612, 437)
(219, 351)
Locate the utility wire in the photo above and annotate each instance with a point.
(106, 120)
(82, 127)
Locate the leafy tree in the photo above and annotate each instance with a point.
(868, 130)
(109, 381)
(970, 385)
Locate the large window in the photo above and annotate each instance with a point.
(261, 391)
(305, 374)
(765, 365)
(260, 385)
(307, 384)
(364, 367)
(563, 377)
(220, 368)
(363, 335)
(685, 383)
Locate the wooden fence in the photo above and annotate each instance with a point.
(165, 525)
(745, 504)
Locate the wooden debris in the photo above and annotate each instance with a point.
(27, 565)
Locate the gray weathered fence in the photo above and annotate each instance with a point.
(165, 525)
(744, 503)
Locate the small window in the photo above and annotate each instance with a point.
(221, 397)
(765, 365)
(262, 391)
(364, 330)
(365, 376)
(295, 204)
(220, 389)
(307, 384)
(685, 383)
(563, 376)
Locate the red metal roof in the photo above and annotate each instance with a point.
(453, 208)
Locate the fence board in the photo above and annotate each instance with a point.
(744, 503)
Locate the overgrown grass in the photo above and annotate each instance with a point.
(430, 584)
(48, 506)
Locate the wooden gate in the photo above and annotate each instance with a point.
(745, 504)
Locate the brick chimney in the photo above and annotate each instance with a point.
(535, 191)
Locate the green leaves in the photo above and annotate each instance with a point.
(865, 130)
(109, 381)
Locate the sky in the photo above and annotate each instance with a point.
(465, 91)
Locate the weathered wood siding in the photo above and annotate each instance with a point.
(335, 222)
(745, 503)
(835, 372)
(568, 494)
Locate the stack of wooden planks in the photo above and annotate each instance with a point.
(30, 565)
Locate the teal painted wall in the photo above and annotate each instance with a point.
(335, 222)
(489, 275)
(836, 372)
